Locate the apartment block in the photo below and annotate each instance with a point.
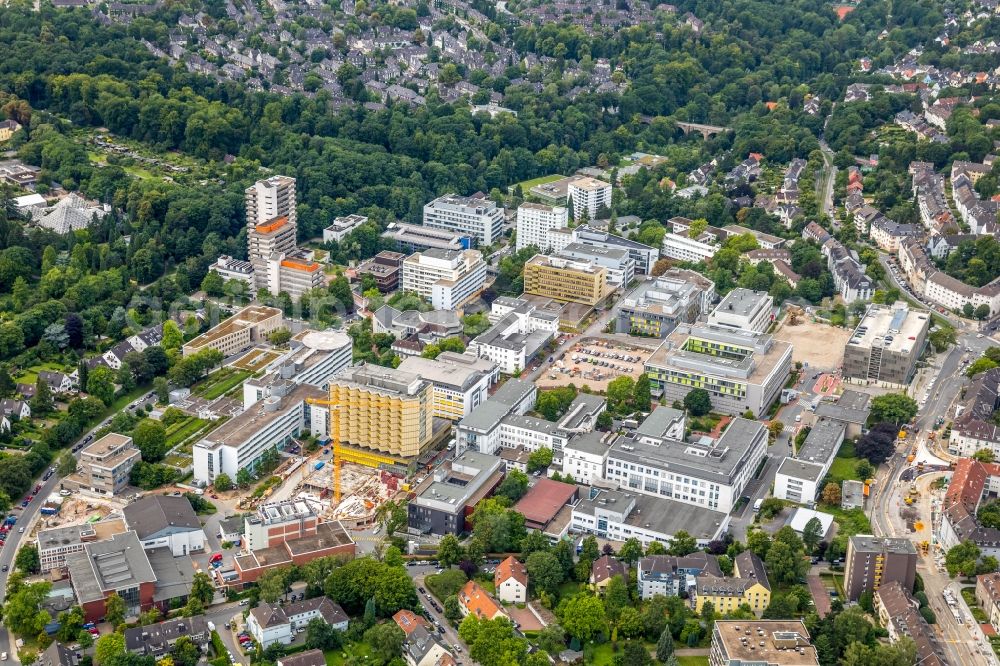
(874, 561)
(535, 221)
(741, 370)
(106, 464)
(459, 387)
(886, 345)
(588, 196)
(565, 280)
(269, 240)
(744, 310)
(668, 575)
(447, 278)
(293, 276)
(747, 586)
(477, 217)
(272, 423)
(446, 498)
(250, 325)
(384, 410)
(269, 199)
(899, 613)
(798, 479)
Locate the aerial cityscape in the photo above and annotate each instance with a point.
(513, 333)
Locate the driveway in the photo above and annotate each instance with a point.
(820, 595)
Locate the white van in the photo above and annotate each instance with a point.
(757, 503)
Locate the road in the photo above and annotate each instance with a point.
(824, 185)
(450, 636)
(937, 401)
(895, 277)
(26, 518)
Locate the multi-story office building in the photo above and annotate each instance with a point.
(385, 267)
(588, 196)
(250, 325)
(657, 306)
(416, 238)
(617, 261)
(269, 241)
(271, 423)
(476, 217)
(106, 464)
(341, 226)
(744, 310)
(707, 287)
(683, 248)
(886, 345)
(276, 523)
(315, 357)
(535, 221)
(741, 370)
(458, 386)
(446, 498)
(518, 333)
(874, 561)
(644, 256)
(798, 479)
(565, 280)
(55, 543)
(707, 473)
(384, 410)
(271, 198)
(447, 278)
(292, 276)
(770, 643)
(235, 269)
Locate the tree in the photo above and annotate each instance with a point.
(894, 408)
(185, 652)
(620, 392)
(223, 482)
(150, 437)
(449, 551)
(682, 544)
(162, 389)
(27, 559)
(66, 463)
(665, 645)
(213, 284)
(22, 612)
(782, 562)
(583, 617)
(642, 394)
(984, 455)
(698, 402)
(279, 336)
(812, 533)
(101, 384)
(831, 493)
(41, 403)
(980, 365)
(961, 559)
(545, 572)
(114, 609)
(878, 444)
(630, 551)
(272, 584)
(109, 647)
(634, 654)
(172, 336)
(982, 312)
(452, 609)
(615, 597)
(321, 636)
(202, 588)
(386, 640)
(514, 486)
(864, 469)
(243, 477)
(539, 459)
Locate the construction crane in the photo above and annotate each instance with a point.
(335, 441)
(342, 454)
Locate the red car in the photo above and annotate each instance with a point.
(37, 488)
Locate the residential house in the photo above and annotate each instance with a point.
(156, 640)
(270, 623)
(474, 600)
(511, 581)
(603, 570)
(669, 575)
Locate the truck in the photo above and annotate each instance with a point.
(757, 504)
(319, 465)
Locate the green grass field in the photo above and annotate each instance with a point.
(353, 653)
(181, 430)
(692, 661)
(528, 184)
(220, 383)
(842, 468)
(30, 375)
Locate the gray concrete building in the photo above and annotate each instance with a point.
(656, 307)
(874, 561)
(446, 498)
(885, 346)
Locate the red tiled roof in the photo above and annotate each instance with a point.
(408, 621)
(543, 502)
(478, 602)
(511, 568)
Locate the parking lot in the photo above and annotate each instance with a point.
(594, 363)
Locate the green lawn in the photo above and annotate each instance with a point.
(353, 653)
(181, 430)
(30, 375)
(528, 184)
(842, 468)
(219, 383)
(692, 661)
